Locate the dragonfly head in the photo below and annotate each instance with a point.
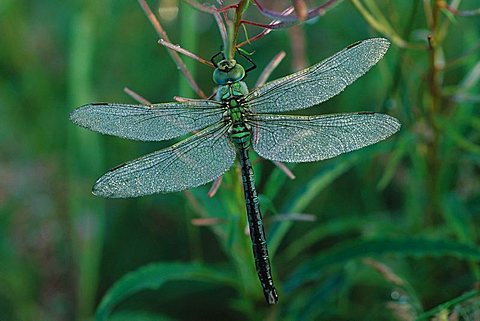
(227, 72)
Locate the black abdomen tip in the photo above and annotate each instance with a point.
(271, 295)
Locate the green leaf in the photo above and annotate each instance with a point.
(453, 133)
(138, 316)
(312, 303)
(404, 144)
(459, 219)
(153, 276)
(446, 305)
(326, 175)
(318, 183)
(243, 51)
(471, 79)
(276, 180)
(316, 234)
(450, 16)
(362, 248)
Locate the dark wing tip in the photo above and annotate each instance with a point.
(354, 44)
(366, 113)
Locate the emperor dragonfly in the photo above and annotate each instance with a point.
(232, 123)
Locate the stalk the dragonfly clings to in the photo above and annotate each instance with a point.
(226, 128)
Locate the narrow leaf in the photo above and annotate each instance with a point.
(365, 248)
(138, 316)
(153, 276)
(451, 303)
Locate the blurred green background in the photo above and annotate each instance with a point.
(393, 231)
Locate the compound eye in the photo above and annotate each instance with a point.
(237, 73)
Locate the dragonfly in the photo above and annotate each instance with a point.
(227, 127)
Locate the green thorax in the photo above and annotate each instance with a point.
(228, 75)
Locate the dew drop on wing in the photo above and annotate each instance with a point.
(95, 189)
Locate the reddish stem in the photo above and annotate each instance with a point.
(226, 8)
(272, 26)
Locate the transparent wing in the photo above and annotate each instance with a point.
(320, 82)
(192, 162)
(148, 123)
(312, 138)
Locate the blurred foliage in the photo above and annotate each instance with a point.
(396, 229)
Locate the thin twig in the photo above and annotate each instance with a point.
(273, 26)
(221, 26)
(200, 210)
(260, 81)
(298, 44)
(427, 8)
(256, 37)
(142, 100)
(457, 60)
(216, 184)
(321, 10)
(229, 7)
(301, 9)
(234, 26)
(201, 7)
(163, 35)
(264, 31)
(318, 11)
(442, 29)
(285, 169)
(267, 71)
(301, 217)
(207, 221)
(184, 99)
(213, 11)
(461, 13)
(185, 52)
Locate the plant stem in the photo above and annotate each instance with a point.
(188, 22)
(163, 35)
(188, 39)
(234, 27)
(87, 214)
(434, 81)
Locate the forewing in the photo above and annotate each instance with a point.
(312, 138)
(320, 82)
(192, 162)
(148, 122)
